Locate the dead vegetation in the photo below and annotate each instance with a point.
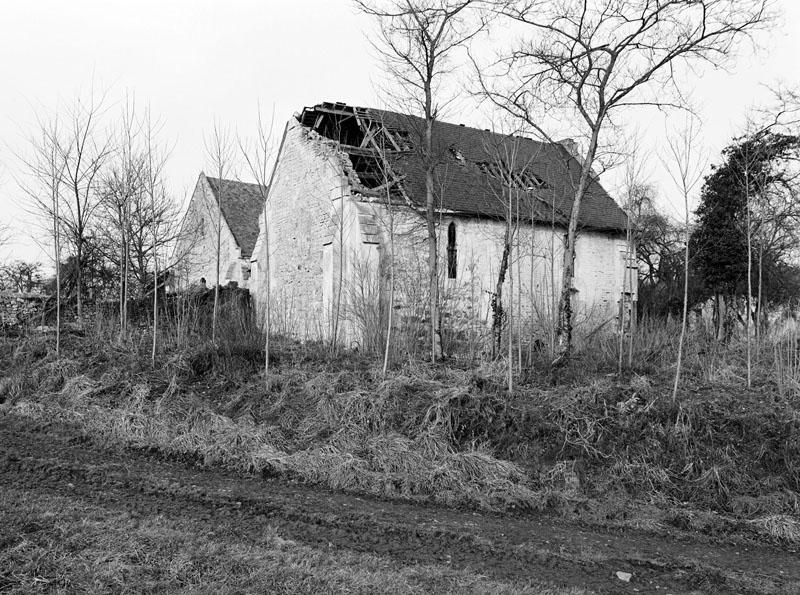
(586, 443)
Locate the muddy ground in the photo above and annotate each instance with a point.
(57, 459)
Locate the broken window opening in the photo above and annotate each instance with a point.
(452, 251)
(458, 155)
(383, 138)
(352, 127)
(334, 123)
(369, 171)
(401, 138)
(522, 180)
(528, 180)
(342, 129)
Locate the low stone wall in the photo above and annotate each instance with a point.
(19, 309)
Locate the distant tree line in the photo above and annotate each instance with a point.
(753, 192)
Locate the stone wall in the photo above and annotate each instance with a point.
(534, 271)
(329, 247)
(304, 213)
(19, 309)
(196, 250)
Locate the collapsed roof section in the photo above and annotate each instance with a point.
(372, 146)
(478, 172)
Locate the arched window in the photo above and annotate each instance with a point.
(452, 252)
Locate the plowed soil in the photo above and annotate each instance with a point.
(57, 459)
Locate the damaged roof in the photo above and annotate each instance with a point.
(241, 205)
(470, 165)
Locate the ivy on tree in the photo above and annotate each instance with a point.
(758, 168)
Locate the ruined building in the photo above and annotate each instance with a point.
(348, 191)
(196, 248)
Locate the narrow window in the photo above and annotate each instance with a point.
(452, 252)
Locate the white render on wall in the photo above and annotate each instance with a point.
(196, 249)
(599, 264)
(328, 245)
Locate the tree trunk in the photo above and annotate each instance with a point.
(430, 215)
(267, 311)
(510, 327)
(125, 293)
(127, 273)
(531, 290)
(758, 300)
(564, 326)
(519, 292)
(122, 284)
(155, 298)
(390, 316)
(79, 277)
(340, 274)
(433, 264)
(719, 317)
(685, 314)
(629, 273)
(57, 234)
(216, 277)
(498, 312)
(749, 278)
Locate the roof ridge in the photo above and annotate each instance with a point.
(473, 190)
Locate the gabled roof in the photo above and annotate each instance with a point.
(546, 173)
(241, 205)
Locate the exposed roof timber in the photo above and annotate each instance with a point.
(395, 179)
(353, 150)
(371, 133)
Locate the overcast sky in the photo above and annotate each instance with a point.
(196, 60)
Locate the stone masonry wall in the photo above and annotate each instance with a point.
(321, 234)
(535, 269)
(196, 250)
(304, 212)
(17, 309)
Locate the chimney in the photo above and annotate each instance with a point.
(572, 148)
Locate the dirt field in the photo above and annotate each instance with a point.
(75, 517)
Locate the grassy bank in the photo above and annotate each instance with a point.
(586, 443)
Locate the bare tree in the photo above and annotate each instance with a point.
(133, 207)
(773, 210)
(83, 149)
(600, 57)
(122, 183)
(45, 166)
(416, 39)
(155, 190)
(386, 156)
(390, 314)
(685, 165)
(511, 185)
(259, 161)
(21, 276)
(766, 183)
(219, 155)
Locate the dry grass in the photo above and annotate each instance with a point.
(779, 527)
(361, 456)
(580, 434)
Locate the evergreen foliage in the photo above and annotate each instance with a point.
(758, 169)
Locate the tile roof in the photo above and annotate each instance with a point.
(465, 183)
(241, 205)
